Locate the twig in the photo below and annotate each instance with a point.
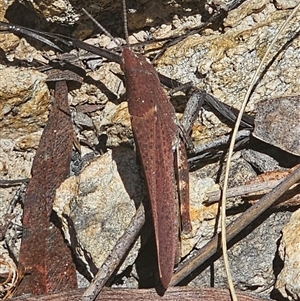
(16, 182)
(215, 196)
(216, 147)
(236, 227)
(116, 256)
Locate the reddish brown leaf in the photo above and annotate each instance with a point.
(44, 255)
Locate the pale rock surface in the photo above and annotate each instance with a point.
(285, 4)
(288, 280)
(58, 10)
(24, 102)
(223, 64)
(220, 63)
(8, 41)
(115, 122)
(201, 216)
(98, 204)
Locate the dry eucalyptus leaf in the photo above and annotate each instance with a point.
(277, 123)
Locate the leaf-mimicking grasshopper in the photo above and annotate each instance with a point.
(161, 152)
(158, 144)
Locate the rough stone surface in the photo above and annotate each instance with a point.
(98, 204)
(140, 14)
(260, 160)
(24, 101)
(55, 11)
(219, 61)
(224, 64)
(285, 4)
(288, 279)
(277, 123)
(252, 260)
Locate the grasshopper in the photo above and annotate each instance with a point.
(160, 149)
(158, 144)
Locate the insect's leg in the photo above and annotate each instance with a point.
(181, 165)
(182, 177)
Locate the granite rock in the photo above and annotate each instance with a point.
(24, 102)
(287, 281)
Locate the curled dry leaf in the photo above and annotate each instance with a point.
(10, 277)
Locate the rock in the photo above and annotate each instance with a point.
(24, 102)
(287, 281)
(246, 9)
(56, 11)
(259, 160)
(98, 205)
(28, 142)
(277, 123)
(8, 42)
(115, 123)
(223, 64)
(202, 217)
(251, 259)
(3, 7)
(83, 121)
(286, 4)
(102, 86)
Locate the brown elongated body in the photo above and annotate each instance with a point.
(157, 138)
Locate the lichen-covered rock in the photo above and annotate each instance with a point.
(24, 102)
(288, 279)
(223, 64)
(98, 204)
(277, 123)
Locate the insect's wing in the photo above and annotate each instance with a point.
(156, 135)
(159, 174)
